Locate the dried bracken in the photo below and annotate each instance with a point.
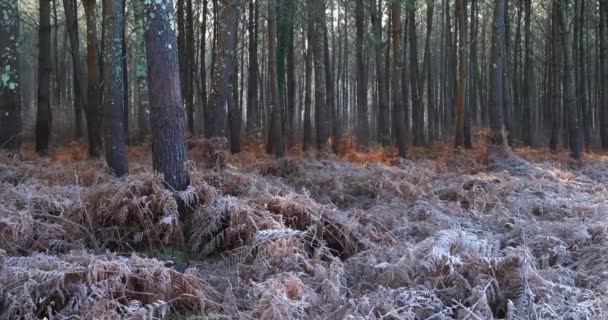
(444, 235)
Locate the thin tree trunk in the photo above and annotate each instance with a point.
(362, 118)
(93, 84)
(276, 130)
(527, 86)
(603, 79)
(384, 136)
(569, 82)
(224, 61)
(417, 106)
(45, 67)
(427, 69)
(321, 113)
(496, 75)
(461, 74)
(396, 88)
(253, 72)
(308, 136)
(10, 84)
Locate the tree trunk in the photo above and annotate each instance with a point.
(428, 70)
(125, 74)
(496, 75)
(461, 74)
(308, 137)
(234, 108)
(384, 136)
(189, 76)
(555, 81)
(93, 90)
(276, 130)
(224, 60)
(167, 112)
(604, 73)
(253, 71)
(361, 110)
(143, 108)
(527, 86)
(203, 66)
(417, 106)
(396, 86)
(10, 84)
(45, 66)
(321, 113)
(113, 95)
(569, 82)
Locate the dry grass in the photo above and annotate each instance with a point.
(444, 235)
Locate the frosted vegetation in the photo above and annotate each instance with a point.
(446, 235)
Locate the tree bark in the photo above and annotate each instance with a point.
(417, 106)
(308, 138)
(93, 90)
(496, 76)
(45, 66)
(461, 74)
(569, 82)
(604, 73)
(10, 84)
(384, 136)
(113, 96)
(225, 56)
(167, 112)
(253, 71)
(396, 86)
(362, 118)
(276, 130)
(321, 113)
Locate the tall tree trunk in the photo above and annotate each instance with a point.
(508, 101)
(460, 15)
(308, 136)
(113, 95)
(396, 86)
(527, 86)
(167, 112)
(321, 113)
(203, 65)
(384, 136)
(45, 66)
(581, 77)
(253, 71)
(189, 76)
(69, 7)
(224, 61)
(496, 75)
(569, 82)
(473, 80)
(276, 139)
(417, 105)
(143, 107)
(555, 81)
(603, 35)
(361, 110)
(428, 70)
(330, 94)
(93, 111)
(234, 108)
(125, 73)
(10, 84)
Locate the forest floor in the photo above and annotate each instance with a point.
(443, 235)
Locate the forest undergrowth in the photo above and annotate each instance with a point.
(443, 235)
